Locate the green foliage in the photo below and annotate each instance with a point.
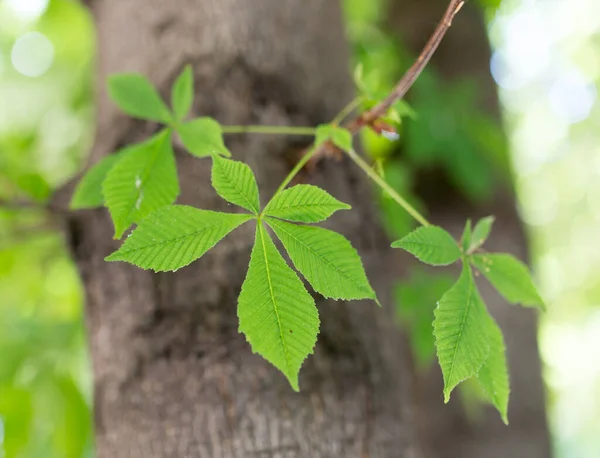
(510, 277)
(136, 96)
(144, 180)
(173, 237)
(276, 313)
(88, 193)
(481, 232)
(493, 375)
(304, 203)
(182, 94)
(203, 137)
(327, 260)
(235, 182)
(460, 334)
(339, 136)
(431, 244)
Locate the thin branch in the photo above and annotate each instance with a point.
(413, 72)
(407, 80)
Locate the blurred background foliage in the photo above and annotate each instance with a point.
(547, 65)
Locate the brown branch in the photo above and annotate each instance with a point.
(405, 82)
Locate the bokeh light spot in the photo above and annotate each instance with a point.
(32, 54)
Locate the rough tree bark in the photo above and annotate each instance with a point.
(172, 376)
(446, 430)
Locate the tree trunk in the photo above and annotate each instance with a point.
(447, 430)
(172, 375)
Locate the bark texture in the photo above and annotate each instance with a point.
(172, 376)
(447, 430)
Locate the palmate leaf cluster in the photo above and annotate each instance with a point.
(469, 343)
(277, 314)
(139, 185)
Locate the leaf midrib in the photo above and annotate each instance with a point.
(260, 229)
(252, 205)
(462, 325)
(192, 234)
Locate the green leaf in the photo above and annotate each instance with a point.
(460, 332)
(235, 182)
(510, 277)
(340, 137)
(305, 204)
(327, 260)
(276, 313)
(175, 236)
(142, 182)
(182, 94)
(493, 375)
(88, 193)
(431, 244)
(203, 137)
(136, 96)
(481, 232)
(465, 240)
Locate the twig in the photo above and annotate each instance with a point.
(407, 80)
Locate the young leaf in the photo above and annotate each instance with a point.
(235, 182)
(203, 137)
(459, 329)
(340, 137)
(182, 94)
(493, 375)
(175, 236)
(88, 193)
(305, 204)
(510, 277)
(431, 244)
(136, 96)
(327, 260)
(276, 313)
(465, 240)
(481, 232)
(142, 182)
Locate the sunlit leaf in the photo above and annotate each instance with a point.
(182, 94)
(175, 236)
(431, 244)
(327, 260)
(235, 182)
(203, 137)
(304, 203)
(136, 96)
(88, 193)
(276, 313)
(460, 332)
(142, 182)
(510, 277)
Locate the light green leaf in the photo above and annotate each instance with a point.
(460, 332)
(182, 94)
(142, 182)
(465, 240)
(340, 137)
(136, 96)
(493, 375)
(327, 260)
(203, 137)
(88, 193)
(481, 232)
(175, 236)
(235, 182)
(276, 313)
(510, 277)
(431, 244)
(305, 204)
